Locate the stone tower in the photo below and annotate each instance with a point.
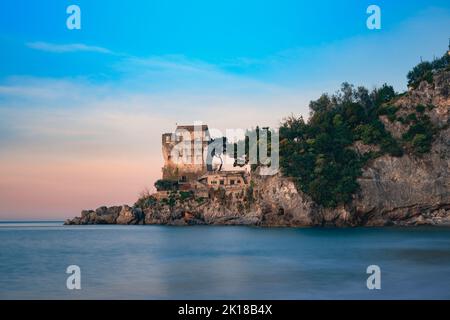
(184, 153)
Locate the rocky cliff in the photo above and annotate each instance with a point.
(407, 190)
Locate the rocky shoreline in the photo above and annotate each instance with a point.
(394, 191)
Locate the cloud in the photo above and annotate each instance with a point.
(38, 92)
(64, 48)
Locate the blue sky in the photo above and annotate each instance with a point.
(81, 111)
(217, 32)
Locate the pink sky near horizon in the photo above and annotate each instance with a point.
(62, 190)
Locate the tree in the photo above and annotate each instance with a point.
(317, 154)
(421, 143)
(423, 71)
(166, 185)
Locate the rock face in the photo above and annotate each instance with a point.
(102, 215)
(409, 190)
(129, 215)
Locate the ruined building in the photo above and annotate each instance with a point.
(185, 153)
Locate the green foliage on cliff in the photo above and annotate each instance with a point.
(318, 154)
(389, 111)
(425, 70)
(186, 195)
(166, 185)
(145, 200)
(420, 134)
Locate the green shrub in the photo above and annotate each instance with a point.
(420, 135)
(392, 117)
(424, 71)
(184, 195)
(171, 201)
(420, 108)
(391, 147)
(411, 118)
(200, 200)
(145, 200)
(421, 143)
(388, 110)
(166, 185)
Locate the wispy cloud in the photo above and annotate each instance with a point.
(64, 48)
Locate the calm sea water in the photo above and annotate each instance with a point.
(157, 262)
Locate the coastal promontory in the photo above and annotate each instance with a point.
(363, 158)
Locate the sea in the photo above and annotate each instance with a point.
(222, 262)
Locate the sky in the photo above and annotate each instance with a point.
(82, 111)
